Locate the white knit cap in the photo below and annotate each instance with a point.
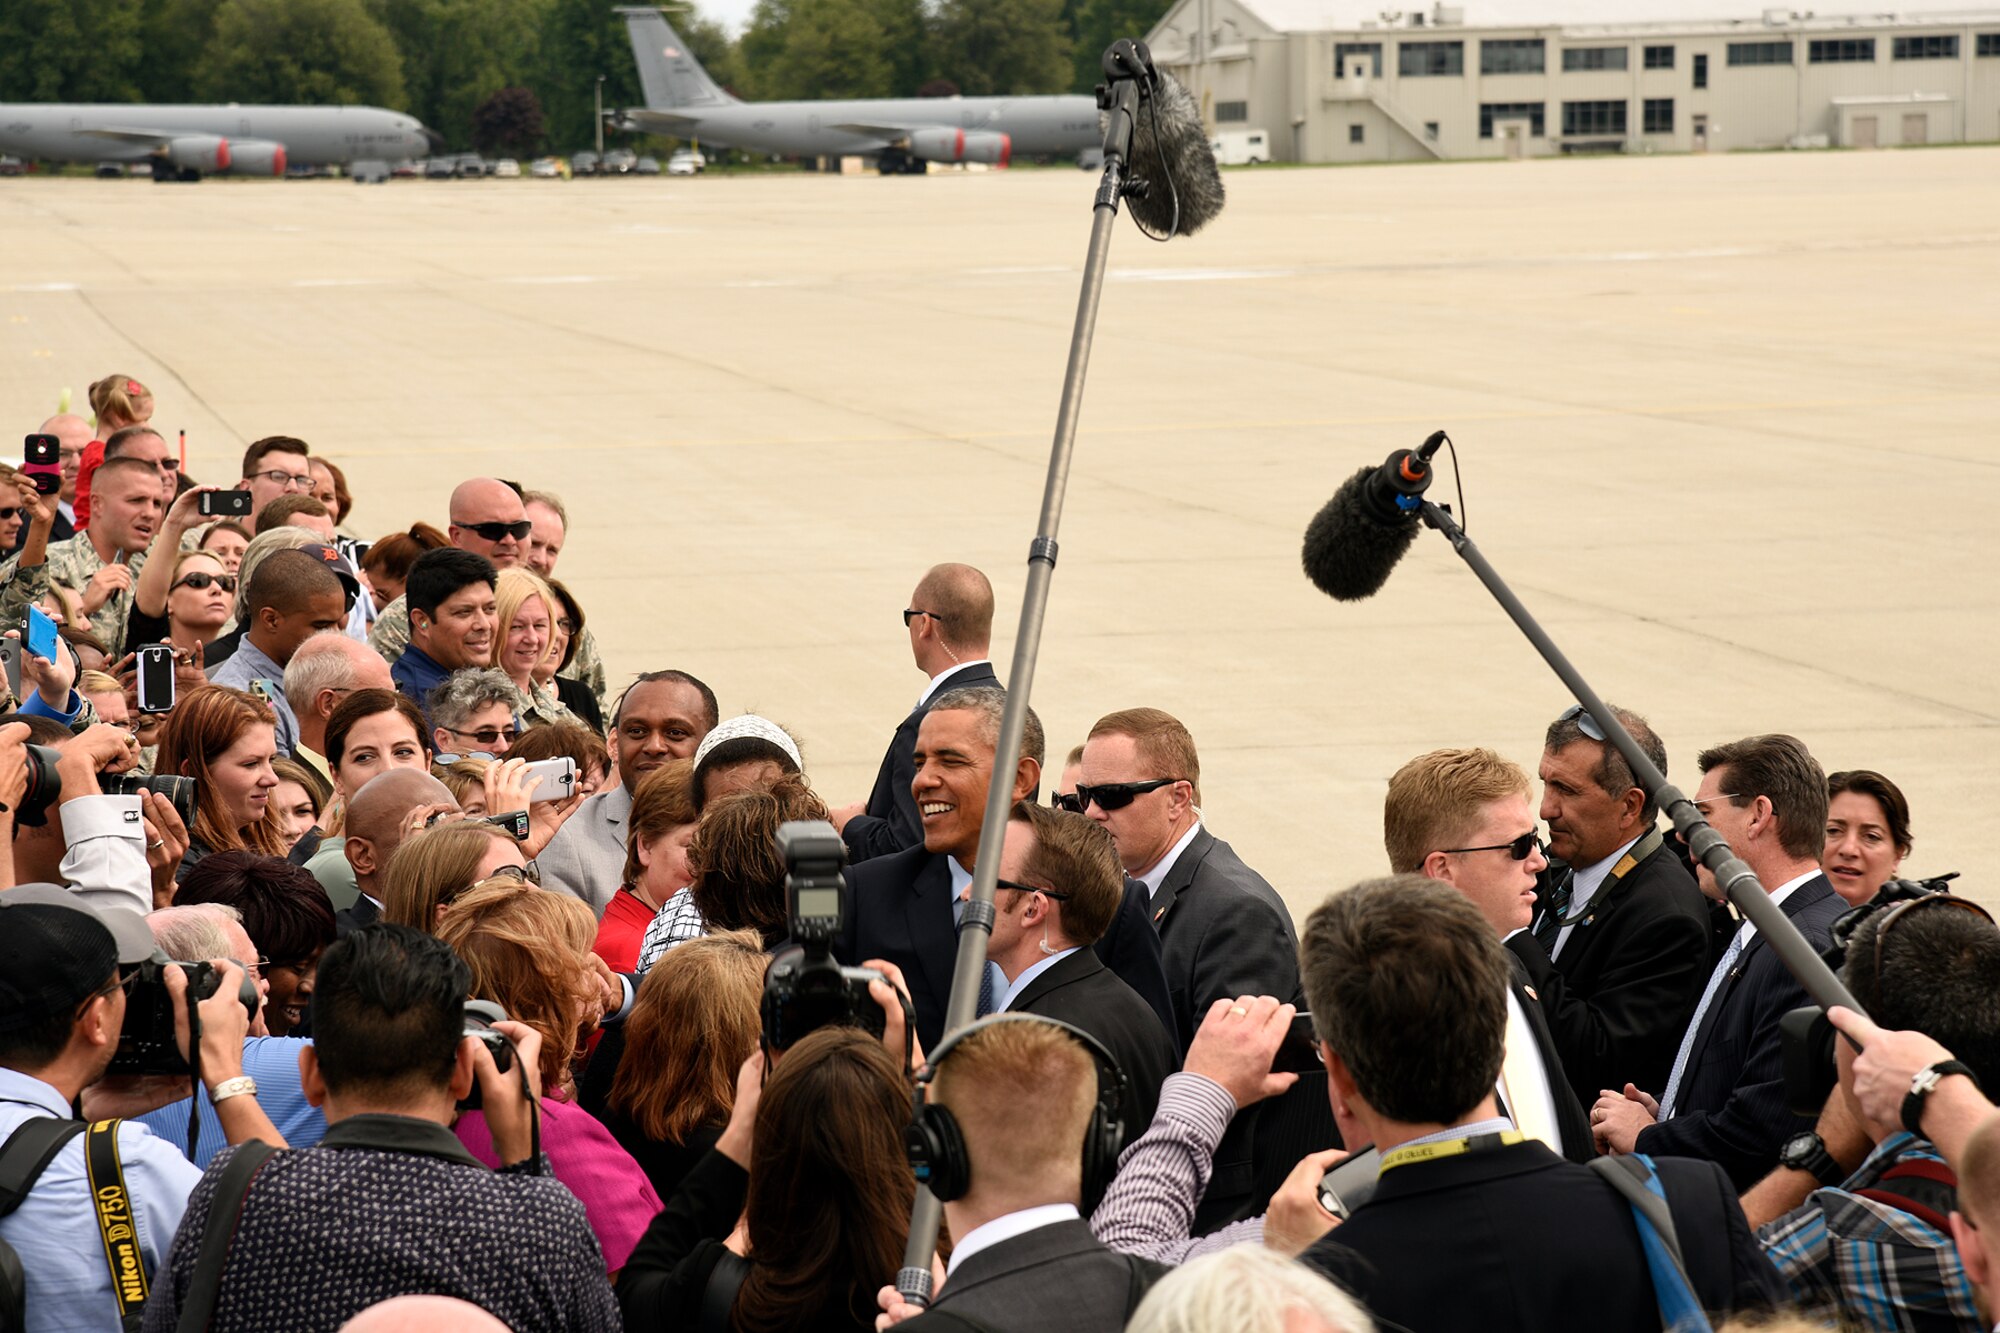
(748, 727)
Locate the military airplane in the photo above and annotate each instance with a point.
(902, 134)
(188, 142)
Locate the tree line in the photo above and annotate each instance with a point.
(521, 75)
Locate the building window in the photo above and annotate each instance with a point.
(1232, 111)
(1525, 55)
(1659, 113)
(1927, 48)
(1431, 130)
(1532, 112)
(1988, 44)
(1372, 50)
(1581, 119)
(1659, 57)
(1355, 134)
(1594, 57)
(1760, 53)
(1701, 71)
(1841, 51)
(1417, 60)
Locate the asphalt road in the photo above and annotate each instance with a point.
(1725, 422)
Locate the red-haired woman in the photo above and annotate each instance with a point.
(225, 740)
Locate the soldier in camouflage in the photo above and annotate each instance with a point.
(102, 563)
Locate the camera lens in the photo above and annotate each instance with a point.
(179, 790)
(43, 789)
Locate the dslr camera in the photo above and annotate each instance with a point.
(805, 989)
(45, 789)
(146, 1043)
(480, 1016)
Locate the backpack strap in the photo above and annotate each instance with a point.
(26, 1154)
(225, 1210)
(718, 1297)
(1634, 1178)
(1927, 1191)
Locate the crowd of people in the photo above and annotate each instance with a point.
(393, 970)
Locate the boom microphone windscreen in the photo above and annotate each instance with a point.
(1170, 153)
(1351, 546)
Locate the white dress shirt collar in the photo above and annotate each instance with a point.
(1020, 983)
(1153, 878)
(1778, 896)
(989, 1234)
(1584, 887)
(939, 682)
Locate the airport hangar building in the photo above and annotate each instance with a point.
(1345, 81)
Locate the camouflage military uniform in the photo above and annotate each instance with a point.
(391, 635)
(70, 562)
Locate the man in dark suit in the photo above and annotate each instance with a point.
(388, 808)
(950, 623)
(1462, 817)
(1619, 949)
(1725, 1094)
(1024, 1260)
(1060, 887)
(1224, 932)
(1470, 1225)
(905, 907)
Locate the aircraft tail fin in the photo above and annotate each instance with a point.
(669, 74)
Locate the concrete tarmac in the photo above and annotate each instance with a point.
(1725, 423)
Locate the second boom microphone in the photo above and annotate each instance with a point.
(1357, 537)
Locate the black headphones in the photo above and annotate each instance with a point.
(936, 1145)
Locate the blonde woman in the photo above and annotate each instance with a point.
(525, 612)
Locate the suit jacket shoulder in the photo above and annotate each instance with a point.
(1081, 991)
(899, 909)
(1057, 1277)
(890, 822)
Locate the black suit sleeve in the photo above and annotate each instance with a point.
(1246, 950)
(661, 1284)
(1637, 1009)
(890, 823)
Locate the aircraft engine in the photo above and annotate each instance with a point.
(199, 152)
(256, 157)
(949, 145)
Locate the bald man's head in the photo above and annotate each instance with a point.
(378, 813)
(423, 1314)
(960, 602)
(75, 435)
(488, 518)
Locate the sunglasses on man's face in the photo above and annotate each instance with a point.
(201, 581)
(1519, 849)
(1116, 795)
(494, 532)
(1066, 800)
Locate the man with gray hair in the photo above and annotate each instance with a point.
(906, 907)
(326, 669)
(1618, 949)
(473, 712)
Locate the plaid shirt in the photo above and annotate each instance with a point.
(71, 562)
(1881, 1267)
(677, 922)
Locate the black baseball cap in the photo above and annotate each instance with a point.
(339, 564)
(56, 951)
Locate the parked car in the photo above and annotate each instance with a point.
(111, 171)
(646, 166)
(619, 161)
(472, 166)
(686, 162)
(11, 165)
(407, 170)
(507, 168)
(545, 168)
(440, 168)
(584, 163)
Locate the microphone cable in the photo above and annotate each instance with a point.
(1160, 155)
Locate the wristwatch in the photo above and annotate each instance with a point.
(1921, 1086)
(1806, 1151)
(239, 1086)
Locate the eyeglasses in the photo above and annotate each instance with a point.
(1066, 800)
(566, 625)
(486, 735)
(1031, 888)
(9, 512)
(1518, 849)
(1111, 796)
(527, 874)
(291, 481)
(201, 580)
(909, 615)
(1701, 803)
(496, 531)
(1585, 723)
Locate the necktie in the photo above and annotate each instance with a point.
(1554, 908)
(987, 991)
(1722, 969)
